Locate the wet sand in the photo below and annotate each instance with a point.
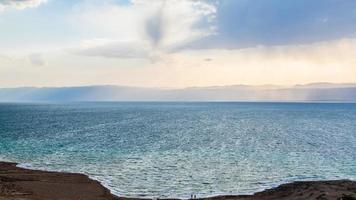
(24, 184)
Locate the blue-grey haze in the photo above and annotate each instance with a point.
(326, 92)
(246, 23)
(178, 149)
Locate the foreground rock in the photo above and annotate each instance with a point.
(23, 184)
(304, 190)
(20, 184)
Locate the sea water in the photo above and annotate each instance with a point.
(179, 149)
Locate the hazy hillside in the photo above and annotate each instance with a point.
(309, 92)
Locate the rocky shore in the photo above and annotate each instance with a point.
(24, 184)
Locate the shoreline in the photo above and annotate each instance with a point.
(17, 183)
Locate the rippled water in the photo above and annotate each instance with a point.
(178, 149)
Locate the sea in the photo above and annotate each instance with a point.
(176, 149)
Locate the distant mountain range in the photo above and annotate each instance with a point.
(324, 92)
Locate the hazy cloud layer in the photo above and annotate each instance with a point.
(19, 4)
(332, 61)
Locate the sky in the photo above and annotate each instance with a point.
(176, 43)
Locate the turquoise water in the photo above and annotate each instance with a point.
(178, 149)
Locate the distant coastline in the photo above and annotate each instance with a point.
(17, 183)
(315, 92)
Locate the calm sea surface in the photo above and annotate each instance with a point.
(178, 149)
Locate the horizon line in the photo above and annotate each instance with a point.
(186, 87)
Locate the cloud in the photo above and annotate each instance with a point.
(5, 57)
(36, 59)
(20, 4)
(144, 29)
(113, 49)
(174, 24)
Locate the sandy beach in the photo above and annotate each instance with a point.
(24, 184)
